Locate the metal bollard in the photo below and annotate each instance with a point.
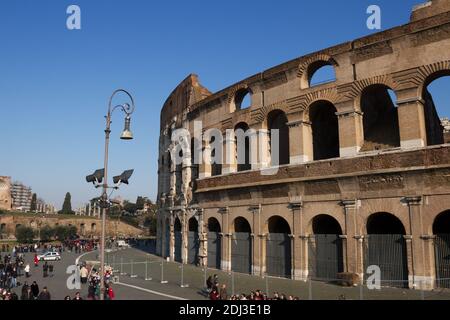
(183, 285)
(147, 278)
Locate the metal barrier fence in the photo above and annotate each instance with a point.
(154, 269)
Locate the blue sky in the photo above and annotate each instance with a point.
(55, 83)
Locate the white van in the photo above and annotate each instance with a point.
(122, 244)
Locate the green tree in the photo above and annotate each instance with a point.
(33, 206)
(129, 207)
(67, 205)
(24, 234)
(61, 232)
(47, 233)
(150, 223)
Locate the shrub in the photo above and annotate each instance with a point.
(24, 234)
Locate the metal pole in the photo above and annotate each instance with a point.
(146, 271)
(162, 272)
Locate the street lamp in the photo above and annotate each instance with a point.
(100, 177)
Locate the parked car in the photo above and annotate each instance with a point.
(122, 244)
(50, 256)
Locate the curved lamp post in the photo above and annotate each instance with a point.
(102, 174)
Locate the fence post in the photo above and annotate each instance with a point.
(121, 266)
(162, 272)
(147, 278)
(183, 285)
(132, 275)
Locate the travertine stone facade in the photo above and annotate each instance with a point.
(353, 155)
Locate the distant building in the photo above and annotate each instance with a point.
(446, 125)
(42, 207)
(5, 193)
(21, 197)
(91, 209)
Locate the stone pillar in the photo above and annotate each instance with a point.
(295, 133)
(258, 243)
(306, 152)
(411, 121)
(264, 149)
(350, 245)
(205, 165)
(296, 245)
(184, 237)
(229, 164)
(203, 238)
(225, 261)
(420, 267)
(172, 237)
(351, 132)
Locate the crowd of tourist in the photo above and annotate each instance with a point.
(218, 291)
(92, 277)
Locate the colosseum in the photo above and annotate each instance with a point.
(363, 170)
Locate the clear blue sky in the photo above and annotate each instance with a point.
(55, 83)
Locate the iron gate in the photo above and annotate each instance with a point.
(214, 250)
(193, 246)
(442, 253)
(278, 255)
(178, 246)
(241, 252)
(325, 256)
(388, 251)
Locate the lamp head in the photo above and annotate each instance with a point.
(126, 133)
(124, 177)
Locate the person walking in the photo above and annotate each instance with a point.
(77, 296)
(109, 292)
(14, 277)
(45, 269)
(44, 295)
(27, 295)
(36, 260)
(84, 274)
(50, 269)
(223, 292)
(35, 289)
(27, 270)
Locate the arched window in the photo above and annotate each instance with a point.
(242, 99)
(277, 120)
(324, 74)
(380, 118)
(216, 166)
(242, 143)
(437, 107)
(325, 130)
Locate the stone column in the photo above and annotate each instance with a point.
(264, 149)
(411, 120)
(295, 133)
(258, 243)
(229, 164)
(296, 245)
(225, 261)
(203, 238)
(351, 132)
(350, 245)
(420, 267)
(205, 165)
(306, 152)
(172, 237)
(184, 236)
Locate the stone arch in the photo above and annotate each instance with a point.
(93, 227)
(214, 250)
(241, 224)
(193, 241)
(441, 230)
(214, 225)
(356, 89)
(277, 224)
(308, 67)
(241, 246)
(236, 97)
(325, 130)
(278, 247)
(324, 224)
(177, 228)
(277, 120)
(242, 160)
(82, 228)
(384, 223)
(380, 118)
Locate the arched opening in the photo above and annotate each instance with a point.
(178, 239)
(437, 108)
(325, 130)
(277, 120)
(167, 239)
(2, 228)
(193, 241)
(216, 164)
(82, 229)
(385, 247)
(321, 72)
(441, 229)
(380, 118)
(93, 227)
(278, 248)
(242, 143)
(325, 248)
(242, 99)
(214, 243)
(241, 246)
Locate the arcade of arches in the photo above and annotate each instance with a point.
(362, 175)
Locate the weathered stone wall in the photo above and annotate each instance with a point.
(86, 226)
(5, 193)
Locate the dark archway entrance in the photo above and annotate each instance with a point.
(242, 143)
(193, 241)
(325, 130)
(441, 229)
(178, 240)
(277, 120)
(278, 248)
(214, 243)
(385, 247)
(325, 248)
(241, 246)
